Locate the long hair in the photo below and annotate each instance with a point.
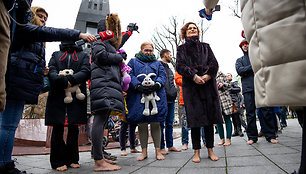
(184, 29)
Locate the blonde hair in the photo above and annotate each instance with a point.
(145, 44)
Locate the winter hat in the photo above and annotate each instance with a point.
(243, 41)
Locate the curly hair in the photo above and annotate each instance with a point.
(185, 27)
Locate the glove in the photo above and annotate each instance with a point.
(123, 55)
(142, 89)
(61, 82)
(132, 27)
(155, 87)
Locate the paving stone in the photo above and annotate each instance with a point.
(156, 170)
(255, 170)
(248, 161)
(189, 170)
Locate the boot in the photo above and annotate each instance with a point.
(9, 168)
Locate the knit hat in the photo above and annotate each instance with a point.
(243, 41)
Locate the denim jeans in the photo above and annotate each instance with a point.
(9, 120)
(168, 126)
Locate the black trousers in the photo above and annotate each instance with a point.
(269, 122)
(249, 101)
(303, 158)
(64, 153)
(196, 137)
(236, 122)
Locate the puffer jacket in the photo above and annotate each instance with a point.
(135, 107)
(26, 63)
(169, 86)
(276, 31)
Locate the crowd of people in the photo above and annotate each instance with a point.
(141, 92)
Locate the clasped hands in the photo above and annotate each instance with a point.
(201, 79)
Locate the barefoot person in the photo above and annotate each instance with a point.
(145, 62)
(198, 66)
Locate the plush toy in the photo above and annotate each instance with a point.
(79, 95)
(125, 70)
(147, 81)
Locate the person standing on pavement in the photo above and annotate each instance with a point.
(145, 62)
(244, 69)
(234, 92)
(24, 77)
(198, 66)
(65, 154)
(171, 94)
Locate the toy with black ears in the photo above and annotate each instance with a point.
(79, 95)
(152, 97)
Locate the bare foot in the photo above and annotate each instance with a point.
(173, 149)
(228, 142)
(123, 153)
(73, 165)
(185, 147)
(102, 165)
(196, 157)
(62, 168)
(135, 151)
(221, 142)
(163, 151)
(250, 142)
(212, 155)
(141, 157)
(110, 161)
(159, 155)
(273, 141)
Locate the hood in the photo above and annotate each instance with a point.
(70, 46)
(112, 22)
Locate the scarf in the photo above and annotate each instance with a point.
(145, 58)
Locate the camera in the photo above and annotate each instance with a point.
(132, 27)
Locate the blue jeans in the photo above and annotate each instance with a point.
(185, 129)
(168, 128)
(9, 120)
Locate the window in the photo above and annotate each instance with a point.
(100, 7)
(89, 4)
(95, 6)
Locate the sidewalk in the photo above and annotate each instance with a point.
(239, 158)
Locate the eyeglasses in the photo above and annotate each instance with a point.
(147, 50)
(42, 16)
(192, 28)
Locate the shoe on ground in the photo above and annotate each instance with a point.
(241, 134)
(10, 168)
(235, 134)
(260, 134)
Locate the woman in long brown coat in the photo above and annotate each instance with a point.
(198, 66)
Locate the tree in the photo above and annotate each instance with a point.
(234, 7)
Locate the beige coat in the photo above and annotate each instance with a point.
(276, 31)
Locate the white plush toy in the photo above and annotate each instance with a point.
(75, 88)
(147, 81)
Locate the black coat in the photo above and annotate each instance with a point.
(170, 89)
(56, 109)
(244, 69)
(105, 89)
(201, 101)
(234, 92)
(24, 78)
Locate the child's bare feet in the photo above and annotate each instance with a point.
(250, 142)
(123, 153)
(73, 165)
(163, 151)
(185, 147)
(62, 168)
(212, 155)
(221, 142)
(159, 155)
(227, 143)
(143, 155)
(196, 157)
(102, 165)
(273, 141)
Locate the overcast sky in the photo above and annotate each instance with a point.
(223, 34)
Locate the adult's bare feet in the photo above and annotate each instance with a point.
(73, 165)
(123, 153)
(159, 155)
(62, 168)
(212, 155)
(273, 141)
(221, 142)
(185, 147)
(102, 165)
(110, 161)
(173, 149)
(163, 151)
(227, 143)
(196, 157)
(135, 151)
(250, 142)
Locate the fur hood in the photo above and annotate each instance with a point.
(112, 22)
